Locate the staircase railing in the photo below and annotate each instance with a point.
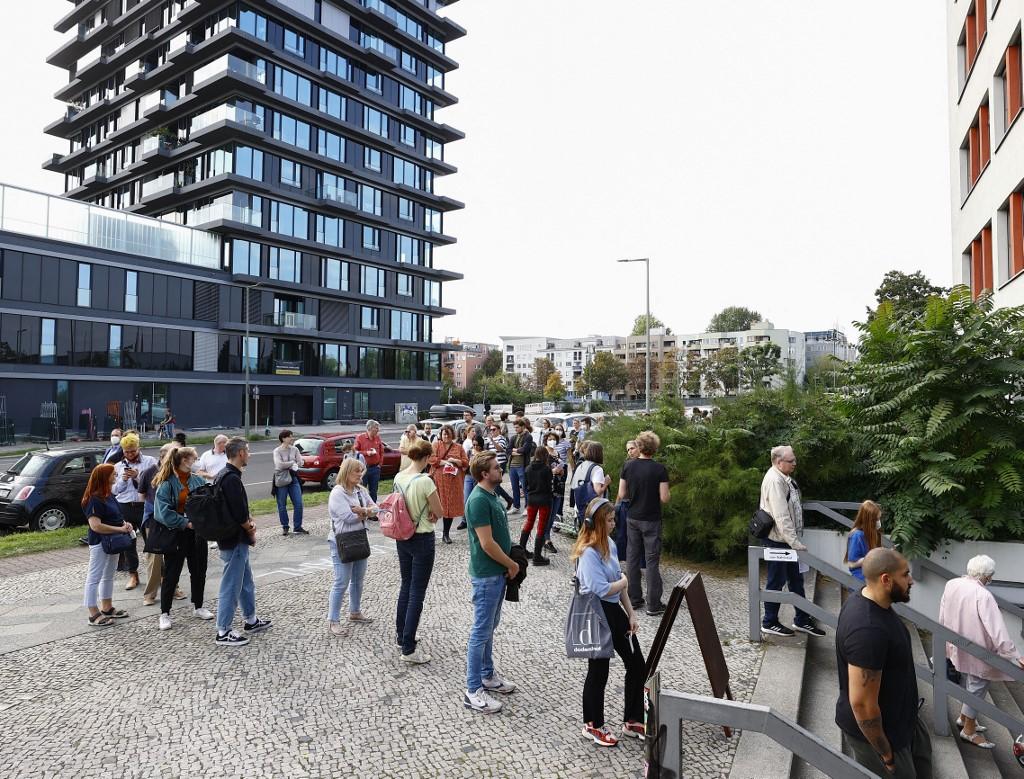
(943, 689)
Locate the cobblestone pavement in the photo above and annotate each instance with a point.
(135, 702)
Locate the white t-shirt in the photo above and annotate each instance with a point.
(596, 476)
(211, 462)
(467, 447)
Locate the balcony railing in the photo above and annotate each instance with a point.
(155, 142)
(216, 211)
(166, 181)
(227, 113)
(338, 195)
(229, 63)
(35, 213)
(291, 319)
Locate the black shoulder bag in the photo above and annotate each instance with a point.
(354, 545)
(762, 522)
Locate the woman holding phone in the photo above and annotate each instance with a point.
(349, 506)
(448, 465)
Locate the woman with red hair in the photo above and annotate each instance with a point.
(104, 517)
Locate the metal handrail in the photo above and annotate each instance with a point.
(828, 508)
(676, 706)
(941, 635)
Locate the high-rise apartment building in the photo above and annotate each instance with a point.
(987, 146)
(464, 360)
(303, 134)
(569, 356)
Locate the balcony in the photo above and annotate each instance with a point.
(291, 320)
(229, 64)
(158, 143)
(159, 184)
(338, 195)
(226, 113)
(226, 212)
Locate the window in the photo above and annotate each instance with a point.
(371, 158)
(435, 77)
(291, 131)
(1011, 228)
(333, 62)
(332, 187)
(294, 43)
(435, 149)
(375, 121)
(114, 347)
(361, 405)
(409, 63)
(292, 86)
(369, 317)
(1008, 89)
(431, 220)
(369, 199)
(253, 23)
(978, 263)
(47, 341)
(251, 353)
(407, 135)
(329, 408)
(405, 172)
(374, 82)
(332, 103)
(291, 173)
(408, 250)
(245, 258)
(334, 274)
(287, 219)
(131, 291)
(405, 284)
(249, 162)
(405, 326)
(332, 360)
(330, 230)
(971, 37)
(371, 238)
(371, 281)
(84, 284)
(432, 294)
(369, 363)
(330, 145)
(975, 151)
(285, 265)
(405, 209)
(410, 99)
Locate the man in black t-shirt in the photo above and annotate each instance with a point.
(644, 483)
(877, 705)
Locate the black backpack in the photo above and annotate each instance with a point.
(207, 510)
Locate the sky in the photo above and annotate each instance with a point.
(776, 155)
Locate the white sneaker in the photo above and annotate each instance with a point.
(165, 621)
(212, 545)
(417, 657)
(202, 613)
(480, 701)
(497, 684)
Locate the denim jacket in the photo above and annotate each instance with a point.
(166, 503)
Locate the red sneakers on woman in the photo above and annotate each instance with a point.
(601, 736)
(634, 730)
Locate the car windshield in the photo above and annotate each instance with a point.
(30, 465)
(309, 445)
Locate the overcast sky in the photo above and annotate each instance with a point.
(777, 155)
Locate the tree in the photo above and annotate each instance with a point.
(722, 370)
(491, 366)
(693, 377)
(542, 368)
(554, 389)
(668, 377)
(640, 325)
(733, 318)
(605, 373)
(759, 364)
(447, 384)
(636, 371)
(938, 404)
(907, 293)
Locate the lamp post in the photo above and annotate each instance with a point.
(245, 354)
(647, 383)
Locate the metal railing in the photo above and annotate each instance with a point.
(226, 113)
(673, 707)
(942, 688)
(291, 319)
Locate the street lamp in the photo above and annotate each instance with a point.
(647, 384)
(245, 353)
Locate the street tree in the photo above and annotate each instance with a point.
(636, 370)
(605, 373)
(554, 389)
(491, 365)
(542, 368)
(732, 319)
(907, 293)
(758, 364)
(640, 325)
(722, 370)
(668, 376)
(693, 375)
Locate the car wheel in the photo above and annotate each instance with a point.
(52, 517)
(330, 479)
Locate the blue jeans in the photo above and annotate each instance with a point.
(293, 491)
(556, 511)
(517, 475)
(236, 586)
(347, 576)
(488, 594)
(782, 575)
(467, 487)
(371, 479)
(416, 563)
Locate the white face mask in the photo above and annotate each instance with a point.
(878, 524)
(115, 440)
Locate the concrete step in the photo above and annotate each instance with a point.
(821, 683)
(1003, 698)
(1016, 689)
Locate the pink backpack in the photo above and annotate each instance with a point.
(394, 516)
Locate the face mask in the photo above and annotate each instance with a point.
(115, 440)
(878, 524)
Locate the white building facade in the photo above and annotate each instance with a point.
(792, 349)
(987, 146)
(822, 345)
(569, 355)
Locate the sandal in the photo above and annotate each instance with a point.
(100, 620)
(358, 616)
(983, 744)
(977, 728)
(115, 613)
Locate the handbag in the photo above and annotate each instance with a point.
(160, 539)
(587, 633)
(115, 543)
(762, 522)
(353, 545)
(282, 478)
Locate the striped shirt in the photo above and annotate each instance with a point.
(492, 446)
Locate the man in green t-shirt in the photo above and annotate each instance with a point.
(489, 569)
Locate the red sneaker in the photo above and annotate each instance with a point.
(634, 730)
(601, 736)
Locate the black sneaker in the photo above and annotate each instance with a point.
(638, 605)
(810, 629)
(777, 629)
(656, 609)
(284, 531)
(549, 547)
(257, 626)
(231, 638)
(461, 525)
(445, 540)
(301, 531)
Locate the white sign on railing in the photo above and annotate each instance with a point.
(774, 555)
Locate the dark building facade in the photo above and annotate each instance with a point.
(300, 136)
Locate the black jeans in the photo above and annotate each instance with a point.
(193, 551)
(416, 563)
(783, 575)
(132, 514)
(628, 648)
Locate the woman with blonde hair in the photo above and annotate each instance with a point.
(865, 536)
(598, 572)
(349, 506)
(410, 435)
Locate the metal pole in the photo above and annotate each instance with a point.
(245, 353)
(647, 385)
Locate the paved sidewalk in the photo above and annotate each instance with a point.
(299, 703)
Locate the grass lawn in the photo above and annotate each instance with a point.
(21, 542)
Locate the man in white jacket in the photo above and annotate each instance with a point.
(780, 497)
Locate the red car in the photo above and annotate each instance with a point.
(321, 458)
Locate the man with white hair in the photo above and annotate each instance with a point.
(211, 463)
(370, 446)
(970, 609)
(780, 497)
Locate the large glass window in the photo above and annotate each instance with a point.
(291, 173)
(408, 62)
(371, 281)
(253, 23)
(375, 121)
(431, 293)
(292, 86)
(371, 158)
(405, 326)
(251, 353)
(245, 258)
(404, 284)
(369, 362)
(287, 219)
(369, 317)
(408, 249)
(330, 145)
(249, 162)
(369, 199)
(84, 284)
(374, 83)
(406, 172)
(48, 341)
(330, 230)
(405, 209)
(332, 62)
(432, 220)
(407, 135)
(114, 347)
(291, 130)
(371, 238)
(294, 43)
(285, 265)
(435, 77)
(333, 359)
(331, 103)
(330, 403)
(334, 274)
(435, 149)
(131, 291)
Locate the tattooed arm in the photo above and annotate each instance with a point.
(864, 684)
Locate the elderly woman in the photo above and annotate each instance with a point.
(349, 506)
(968, 608)
(410, 435)
(448, 466)
(370, 446)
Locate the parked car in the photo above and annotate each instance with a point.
(321, 458)
(448, 411)
(44, 489)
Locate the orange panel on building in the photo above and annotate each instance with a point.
(1012, 80)
(1016, 225)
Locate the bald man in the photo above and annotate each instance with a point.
(877, 706)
